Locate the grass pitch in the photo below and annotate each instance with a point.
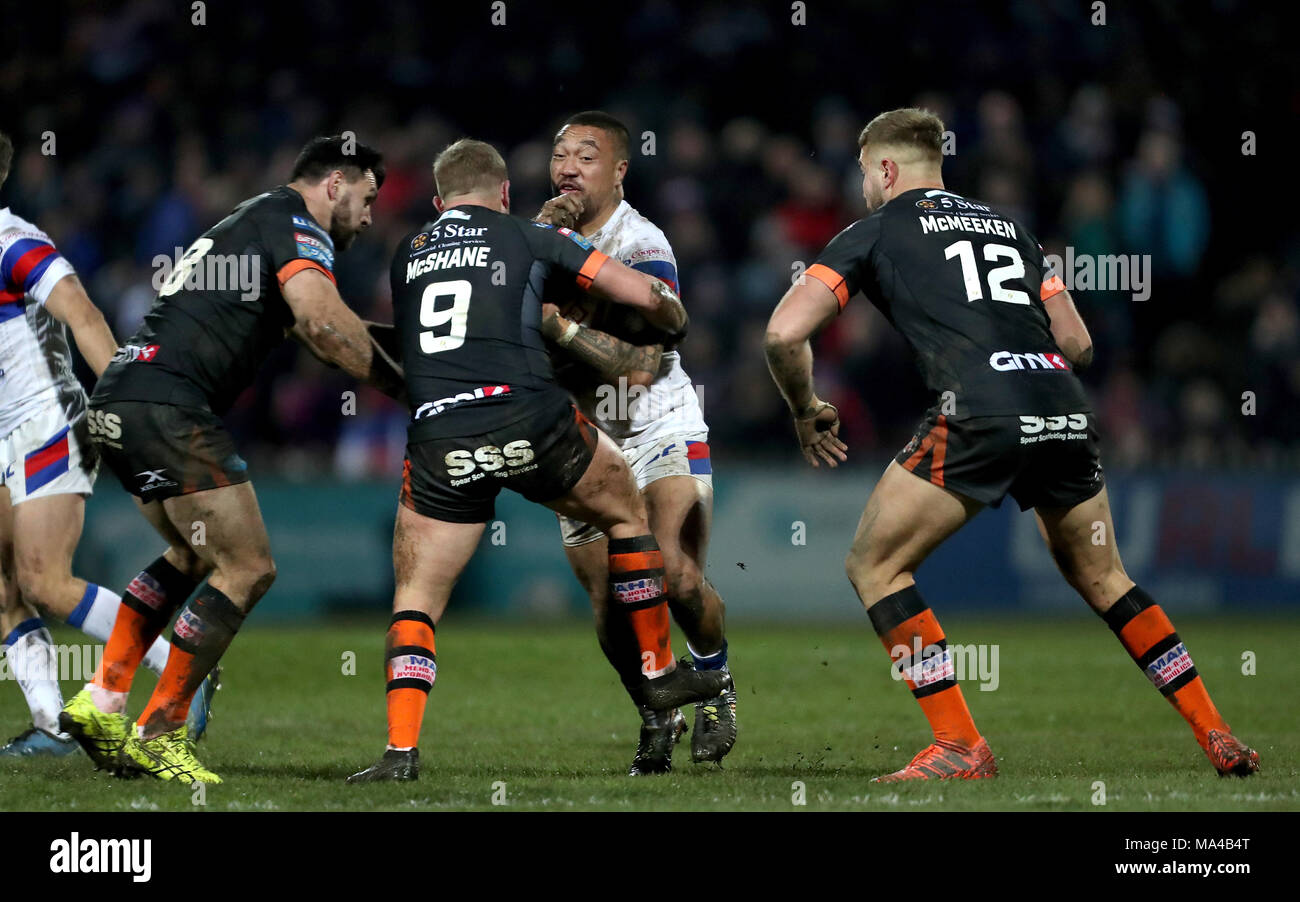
(531, 715)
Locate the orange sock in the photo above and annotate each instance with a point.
(1149, 638)
(170, 702)
(411, 668)
(914, 639)
(203, 631)
(147, 605)
(636, 580)
(127, 644)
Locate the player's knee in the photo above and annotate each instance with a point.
(685, 582)
(873, 579)
(858, 568)
(261, 575)
(1094, 581)
(10, 600)
(38, 586)
(250, 578)
(184, 559)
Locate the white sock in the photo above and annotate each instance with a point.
(32, 661)
(95, 617)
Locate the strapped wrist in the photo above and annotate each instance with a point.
(568, 334)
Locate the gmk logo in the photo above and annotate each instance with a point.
(103, 856)
(433, 408)
(130, 353)
(1002, 361)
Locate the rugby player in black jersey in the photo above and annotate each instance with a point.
(996, 336)
(155, 416)
(487, 414)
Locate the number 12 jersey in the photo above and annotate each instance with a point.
(965, 286)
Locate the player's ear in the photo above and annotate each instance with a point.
(437, 204)
(335, 184)
(620, 171)
(889, 172)
(505, 195)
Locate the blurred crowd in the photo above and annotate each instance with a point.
(744, 152)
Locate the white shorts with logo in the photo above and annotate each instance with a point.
(47, 455)
(686, 454)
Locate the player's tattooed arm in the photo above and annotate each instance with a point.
(611, 357)
(336, 335)
(791, 366)
(805, 308)
(1068, 329)
(658, 303)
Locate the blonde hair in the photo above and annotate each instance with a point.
(468, 167)
(911, 128)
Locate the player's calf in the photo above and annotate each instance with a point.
(203, 631)
(636, 575)
(145, 609)
(914, 640)
(412, 668)
(1150, 639)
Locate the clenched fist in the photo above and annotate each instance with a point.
(561, 211)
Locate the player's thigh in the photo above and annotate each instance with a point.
(905, 519)
(606, 495)
(680, 511)
(1081, 539)
(223, 526)
(46, 531)
(428, 558)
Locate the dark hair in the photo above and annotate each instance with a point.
(6, 156)
(322, 155)
(610, 124)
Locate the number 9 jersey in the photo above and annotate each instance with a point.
(965, 286)
(467, 304)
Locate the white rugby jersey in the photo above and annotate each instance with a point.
(35, 364)
(670, 406)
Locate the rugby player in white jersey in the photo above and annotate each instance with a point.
(628, 379)
(47, 468)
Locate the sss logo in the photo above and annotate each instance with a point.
(489, 458)
(107, 425)
(1074, 422)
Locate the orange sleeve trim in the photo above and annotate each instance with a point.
(1052, 286)
(587, 274)
(832, 280)
(293, 267)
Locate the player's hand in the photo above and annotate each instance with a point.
(385, 337)
(554, 324)
(562, 211)
(819, 434)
